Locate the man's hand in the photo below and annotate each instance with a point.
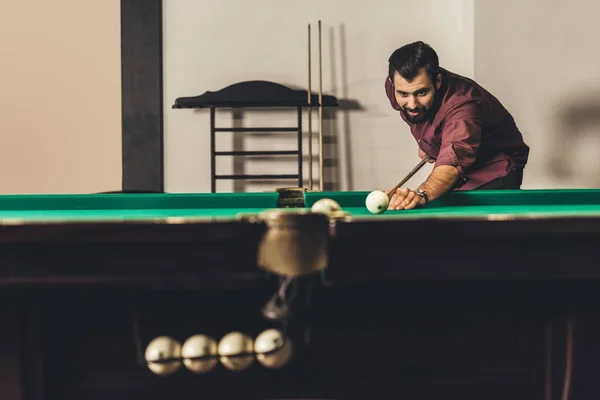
(441, 180)
(405, 199)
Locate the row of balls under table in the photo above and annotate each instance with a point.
(236, 351)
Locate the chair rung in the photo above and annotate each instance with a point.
(257, 153)
(282, 176)
(269, 129)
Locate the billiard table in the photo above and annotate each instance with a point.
(478, 295)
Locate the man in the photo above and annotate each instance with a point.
(470, 136)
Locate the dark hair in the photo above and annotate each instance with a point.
(409, 59)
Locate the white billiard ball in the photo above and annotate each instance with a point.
(199, 346)
(377, 202)
(278, 347)
(163, 348)
(230, 349)
(325, 206)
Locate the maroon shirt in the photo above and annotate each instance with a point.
(470, 130)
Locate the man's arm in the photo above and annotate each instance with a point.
(441, 180)
(460, 143)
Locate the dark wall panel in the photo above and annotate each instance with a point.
(142, 95)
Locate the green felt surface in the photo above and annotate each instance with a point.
(518, 203)
(215, 206)
(99, 207)
(482, 211)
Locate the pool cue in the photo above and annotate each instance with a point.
(320, 112)
(310, 151)
(410, 175)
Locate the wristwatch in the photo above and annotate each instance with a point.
(423, 194)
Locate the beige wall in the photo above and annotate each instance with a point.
(540, 58)
(60, 101)
(60, 96)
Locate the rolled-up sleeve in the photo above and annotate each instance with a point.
(461, 135)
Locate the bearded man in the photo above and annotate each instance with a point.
(469, 135)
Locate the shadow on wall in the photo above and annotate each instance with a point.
(333, 179)
(337, 133)
(337, 142)
(336, 130)
(574, 153)
(335, 148)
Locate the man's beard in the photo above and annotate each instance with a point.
(416, 119)
(424, 112)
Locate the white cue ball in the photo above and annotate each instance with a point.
(325, 206)
(377, 202)
(199, 346)
(232, 344)
(161, 348)
(270, 340)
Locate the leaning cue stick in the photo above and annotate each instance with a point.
(320, 112)
(310, 151)
(410, 175)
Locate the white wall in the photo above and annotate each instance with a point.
(540, 57)
(60, 96)
(209, 45)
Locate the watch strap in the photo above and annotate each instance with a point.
(423, 194)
